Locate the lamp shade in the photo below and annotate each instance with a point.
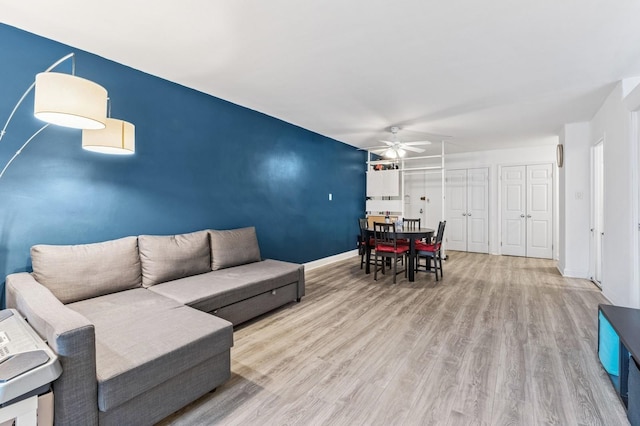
(70, 101)
(118, 137)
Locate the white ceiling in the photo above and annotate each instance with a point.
(491, 74)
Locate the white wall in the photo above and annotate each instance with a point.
(613, 123)
(574, 195)
(493, 160)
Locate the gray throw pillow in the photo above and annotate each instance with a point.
(234, 247)
(84, 271)
(169, 257)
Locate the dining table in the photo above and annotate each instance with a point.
(412, 235)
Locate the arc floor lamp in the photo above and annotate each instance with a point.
(71, 101)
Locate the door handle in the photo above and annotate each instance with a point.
(464, 214)
(592, 229)
(528, 216)
(522, 216)
(468, 214)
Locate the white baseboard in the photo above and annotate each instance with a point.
(609, 300)
(329, 260)
(571, 273)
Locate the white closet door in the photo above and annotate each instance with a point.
(456, 201)
(539, 211)
(477, 210)
(514, 211)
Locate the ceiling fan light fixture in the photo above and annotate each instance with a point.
(401, 152)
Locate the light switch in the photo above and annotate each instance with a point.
(330, 196)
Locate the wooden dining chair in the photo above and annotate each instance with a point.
(362, 240)
(431, 252)
(411, 223)
(387, 247)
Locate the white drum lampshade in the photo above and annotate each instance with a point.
(70, 101)
(119, 137)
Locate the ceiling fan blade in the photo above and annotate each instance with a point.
(412, 149)
(417, 143)
(369, 148)
(388, 142)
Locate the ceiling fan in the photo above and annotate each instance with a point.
(395, 148)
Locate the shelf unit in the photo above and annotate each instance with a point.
(383, 198)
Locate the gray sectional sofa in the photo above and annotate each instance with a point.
(144, 325)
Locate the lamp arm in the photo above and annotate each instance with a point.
(15, 108)
(24, 145)
(24, 95)
(61, 60)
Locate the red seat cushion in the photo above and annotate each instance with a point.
(391, 249)
(427, 247)
(372, 242)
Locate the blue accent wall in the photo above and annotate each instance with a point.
(200, 162)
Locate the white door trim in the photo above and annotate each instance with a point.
(594, 228)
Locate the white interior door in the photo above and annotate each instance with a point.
(456, 203)
(477, 210)
(539, 216)
(415, 193)
(434, 207)
(514, 211)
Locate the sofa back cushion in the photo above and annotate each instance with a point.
(80, 272)
(234, 247)
(167, 258)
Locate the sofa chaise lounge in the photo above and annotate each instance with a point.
(144, 325)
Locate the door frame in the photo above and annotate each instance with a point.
(635, 175)
(592, 211)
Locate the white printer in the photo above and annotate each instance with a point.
(27, 364)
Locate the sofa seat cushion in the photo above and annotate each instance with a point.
(223, 287)
(144, 339)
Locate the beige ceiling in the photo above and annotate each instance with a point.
(490, 74)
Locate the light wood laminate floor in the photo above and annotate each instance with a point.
(500, 341)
